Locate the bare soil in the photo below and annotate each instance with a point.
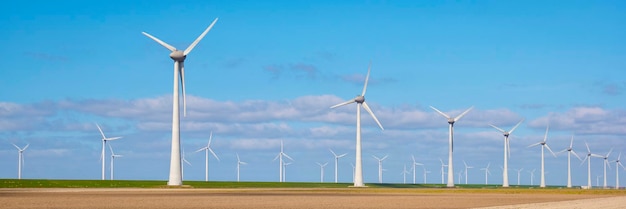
(298, 198)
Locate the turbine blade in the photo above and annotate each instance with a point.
(533, 145)
(210, 138)
(588, 150)
(577, 156)
(26, 147)
(367, 108)
(516, 125)
(18, 148)
(499, 129)
(343, 103)
(185, 160)
(441, 113)
(285, 154)
(366, 78)
(571, 143)
(606, 161)
(596, 155)
(182, 82)
(100, 129)
(550, 150)
(340, 156)
(384, 158)
(111, 149)
(190, 47)
(113, 138)
(201, 149)
(586, 157)
(214, 155)
(169, 47)
(463, 114)
(545, 137)
(607, 155)
(334, 154)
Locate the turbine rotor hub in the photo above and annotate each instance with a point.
(359, 99)
(451, 120)
(507, 134)
(178, 56)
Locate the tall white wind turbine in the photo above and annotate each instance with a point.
(206, 150)
(442, 169)
(507, 152)
(519, 171)
(281, 162)
(175, 176)
(570, 151)
(239, 163)
(285, 171)
(466, 168)
(451, 122)
(543, 144)
(413, 165)
(104, 144)
(113, 156)
(588, 159)
(618, 164)
(425, 172)
(486, 169)
(380, 167)
(20, 159)
(606, 163)
(360, 101)
(337, 161)
(322, 171)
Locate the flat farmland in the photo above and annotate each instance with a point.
(308, 198)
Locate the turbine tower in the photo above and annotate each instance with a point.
(285, 171)
(617, 165)
(532, 176)
(175, 176)
(451, 121)
(322, 171)
(588, 159)
(337, 161)
(442, 170)
(425, 172)
(486, 169)
(239, 163)
(360, 101)
(104, 144)
(20, 159)
(281, 162)
(113, 156)
(543, 144)
(184, 160)
(414, 164)
(606, 163)
(380, 167)
(507, 152)
(208, 149)
(570, 151)
(518, 174)
(403, 173)
(466, 167)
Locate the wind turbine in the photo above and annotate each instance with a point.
(380, 167)
(239, 163)
(532, 176)
(425, 172)
(175, 177)
(414, 164)
(285, 170)
(20, 160)
(617, 165)
(486, 169)
(360, 101)
(543, 144)
(403, 173)
(281, 161)
(518, 174)
(460, 174)
(451, 122)
(337, 161)
(588, 159)
(208, 149)
(606, 163)
(570, 151)
(322, 171)
(507, 152)
(466, 167)
(104, 144)
(442, 170)
(182, 169)
(113, 156)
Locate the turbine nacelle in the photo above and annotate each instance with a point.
(178, 56)
(359, 99)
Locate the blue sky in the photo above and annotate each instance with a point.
(270, 71)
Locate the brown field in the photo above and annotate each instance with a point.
(310, 198)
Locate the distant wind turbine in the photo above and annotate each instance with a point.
(20, 159)
(403, 173)
(588, 159)
(425, 172)
(360, 101)
(239, 163)
(519, 171)
(606, 163)
(442, 170)
(570, 151)
(486, 169)
(507, 152)
(175, 176)
(281, 162)
(460, 175)
(617, 165)
(104, 144)
(184, 160)
(113, 156)
(451, 122)
(413, 165)
(337, 161)
(380, 167)
(466, 167)
(532, 176)
(322, 171)
(285, 171)
(543, 144)
(208, 149)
